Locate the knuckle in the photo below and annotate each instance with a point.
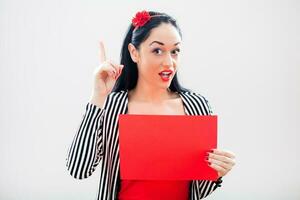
(228, 159)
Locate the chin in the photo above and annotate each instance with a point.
(165, 85)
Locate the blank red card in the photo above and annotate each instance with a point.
(166, 147)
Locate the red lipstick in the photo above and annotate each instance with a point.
(166, 74)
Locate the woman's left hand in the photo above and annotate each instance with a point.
(221, 161)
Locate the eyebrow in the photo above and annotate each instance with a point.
(161, 43)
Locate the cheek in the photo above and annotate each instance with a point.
(150, 65)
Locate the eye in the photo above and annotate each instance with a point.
(176, 51)
(156, 51)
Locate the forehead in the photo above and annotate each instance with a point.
(165, 33)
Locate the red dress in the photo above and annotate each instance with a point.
(153, 190)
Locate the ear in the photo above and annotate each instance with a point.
(134, 54)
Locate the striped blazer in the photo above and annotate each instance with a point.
(96, 143)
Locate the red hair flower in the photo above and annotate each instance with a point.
(140, 19)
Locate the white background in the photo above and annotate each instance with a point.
(243, 56)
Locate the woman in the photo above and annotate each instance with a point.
(144, 83)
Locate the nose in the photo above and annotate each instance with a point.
(168, 60)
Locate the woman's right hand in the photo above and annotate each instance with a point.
(106, 74)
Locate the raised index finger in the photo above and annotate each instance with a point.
(102, 52)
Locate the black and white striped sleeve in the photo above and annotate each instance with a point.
(203, 188)
(86, 150)
(210, 111)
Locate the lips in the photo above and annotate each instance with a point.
(165, 74)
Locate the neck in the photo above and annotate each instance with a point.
(148, 93)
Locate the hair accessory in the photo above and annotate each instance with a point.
(140, 19)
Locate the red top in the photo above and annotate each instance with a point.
(154, 190)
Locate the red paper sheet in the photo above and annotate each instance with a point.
(166, 147)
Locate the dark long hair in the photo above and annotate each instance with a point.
(129, 76)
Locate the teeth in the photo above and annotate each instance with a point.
(166, 73)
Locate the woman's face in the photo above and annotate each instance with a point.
(160, 52)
